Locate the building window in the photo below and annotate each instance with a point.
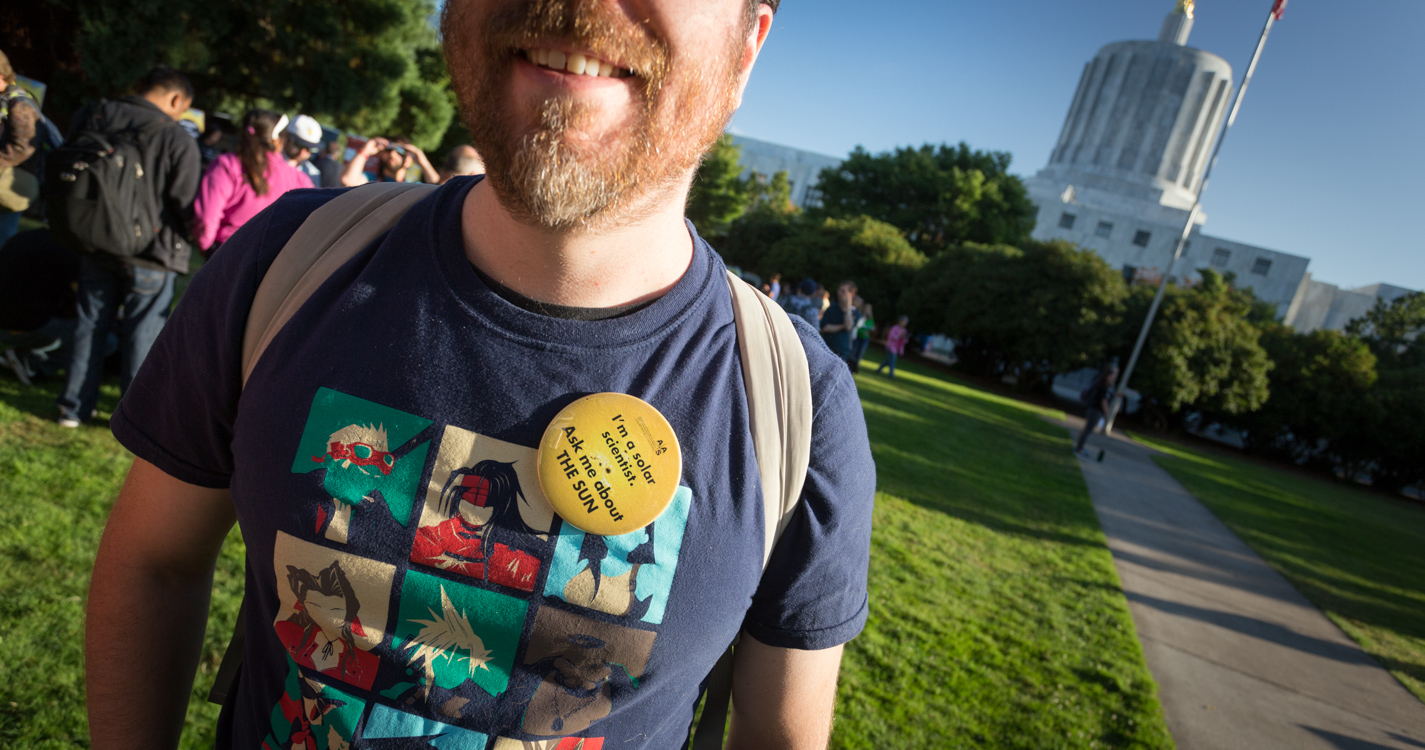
(1261, 266)
(1130, 274)
(1141, 238)
(813, 197)
(1066, 220)
(1220, 256)
(1105, 228)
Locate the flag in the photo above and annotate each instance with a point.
(1278, 8)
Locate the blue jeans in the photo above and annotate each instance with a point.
(889, 361)
(105, 287)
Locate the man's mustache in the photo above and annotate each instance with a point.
(585, 25)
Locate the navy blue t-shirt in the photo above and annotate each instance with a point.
(406, 577)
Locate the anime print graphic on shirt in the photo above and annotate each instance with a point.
(629, 575)
(311, 715)
(563, 743)
(578, 665)
(450, 635)
(485, 516)
(332, 609)
(393, 729)
(367, 451)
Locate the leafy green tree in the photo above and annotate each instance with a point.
(1202, 351)
(1321, 386)
(1395, 331)
(1391, 423)
(719, 193)
(872, 253)
(940, 196)
(364, 65)
(1035, 311)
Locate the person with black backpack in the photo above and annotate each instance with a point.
(120, 191)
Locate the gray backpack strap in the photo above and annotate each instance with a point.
(330, 237)
(779, 403)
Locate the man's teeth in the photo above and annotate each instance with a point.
(575, 63)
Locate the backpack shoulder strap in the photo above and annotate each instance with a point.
(778, 382)
(779, 403)
(330, 237)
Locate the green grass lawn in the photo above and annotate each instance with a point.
(1358, 555)
(996, 619)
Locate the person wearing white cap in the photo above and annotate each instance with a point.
(239, 185)
(302, 136)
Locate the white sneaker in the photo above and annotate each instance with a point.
(70, 423)
(16, 365)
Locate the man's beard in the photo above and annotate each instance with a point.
(551, 177)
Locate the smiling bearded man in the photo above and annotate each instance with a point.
(491, 305)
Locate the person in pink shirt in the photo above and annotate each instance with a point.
(239, 185)
(895, 345)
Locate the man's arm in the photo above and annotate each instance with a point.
(782, 698)
(428, 172)
(148, 606)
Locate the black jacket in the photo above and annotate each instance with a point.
(170, 154)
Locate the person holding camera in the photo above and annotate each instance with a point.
(394, 157)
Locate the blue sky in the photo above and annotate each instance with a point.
(1326, 159)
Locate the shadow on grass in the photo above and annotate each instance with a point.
(991, 461)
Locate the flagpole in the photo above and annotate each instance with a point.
(1278, 7)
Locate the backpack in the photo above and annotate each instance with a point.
(98, 198)
(774, 368)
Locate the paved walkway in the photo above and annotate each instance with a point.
(1241, 658)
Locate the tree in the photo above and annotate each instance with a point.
(1320, 388)
(872, 253)
(1391, 423)
(770, 220)
(719, 194)
(1202, 351)
(365, 65)
(940, 196)
(1045, 308)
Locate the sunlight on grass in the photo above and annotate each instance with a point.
(997, 619)
(1356, 554)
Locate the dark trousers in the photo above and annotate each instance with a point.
(45, 349)
(106, 288)
(889, 361)
(1091, 418)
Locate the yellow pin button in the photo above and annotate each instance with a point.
(609, 463)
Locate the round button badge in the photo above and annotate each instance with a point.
(609, 463)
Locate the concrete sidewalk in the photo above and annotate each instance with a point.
(1241, 658)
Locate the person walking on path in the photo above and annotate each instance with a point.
(142, 286)
(1095, 399)
(444, 353)
(862, 334)
(241, 184)
(774, 286)
(839, 322)
(895, 345)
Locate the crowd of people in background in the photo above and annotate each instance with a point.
(846, 325)
(66, 304)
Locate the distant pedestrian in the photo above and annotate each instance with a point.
(839, 321)
(133, 294)
(861, 337)
(303, 136)
(240, 185)
(895, 345)
(1095, 399)
(460, 162)
(802, 305)
(328, 163)
(776, 286)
